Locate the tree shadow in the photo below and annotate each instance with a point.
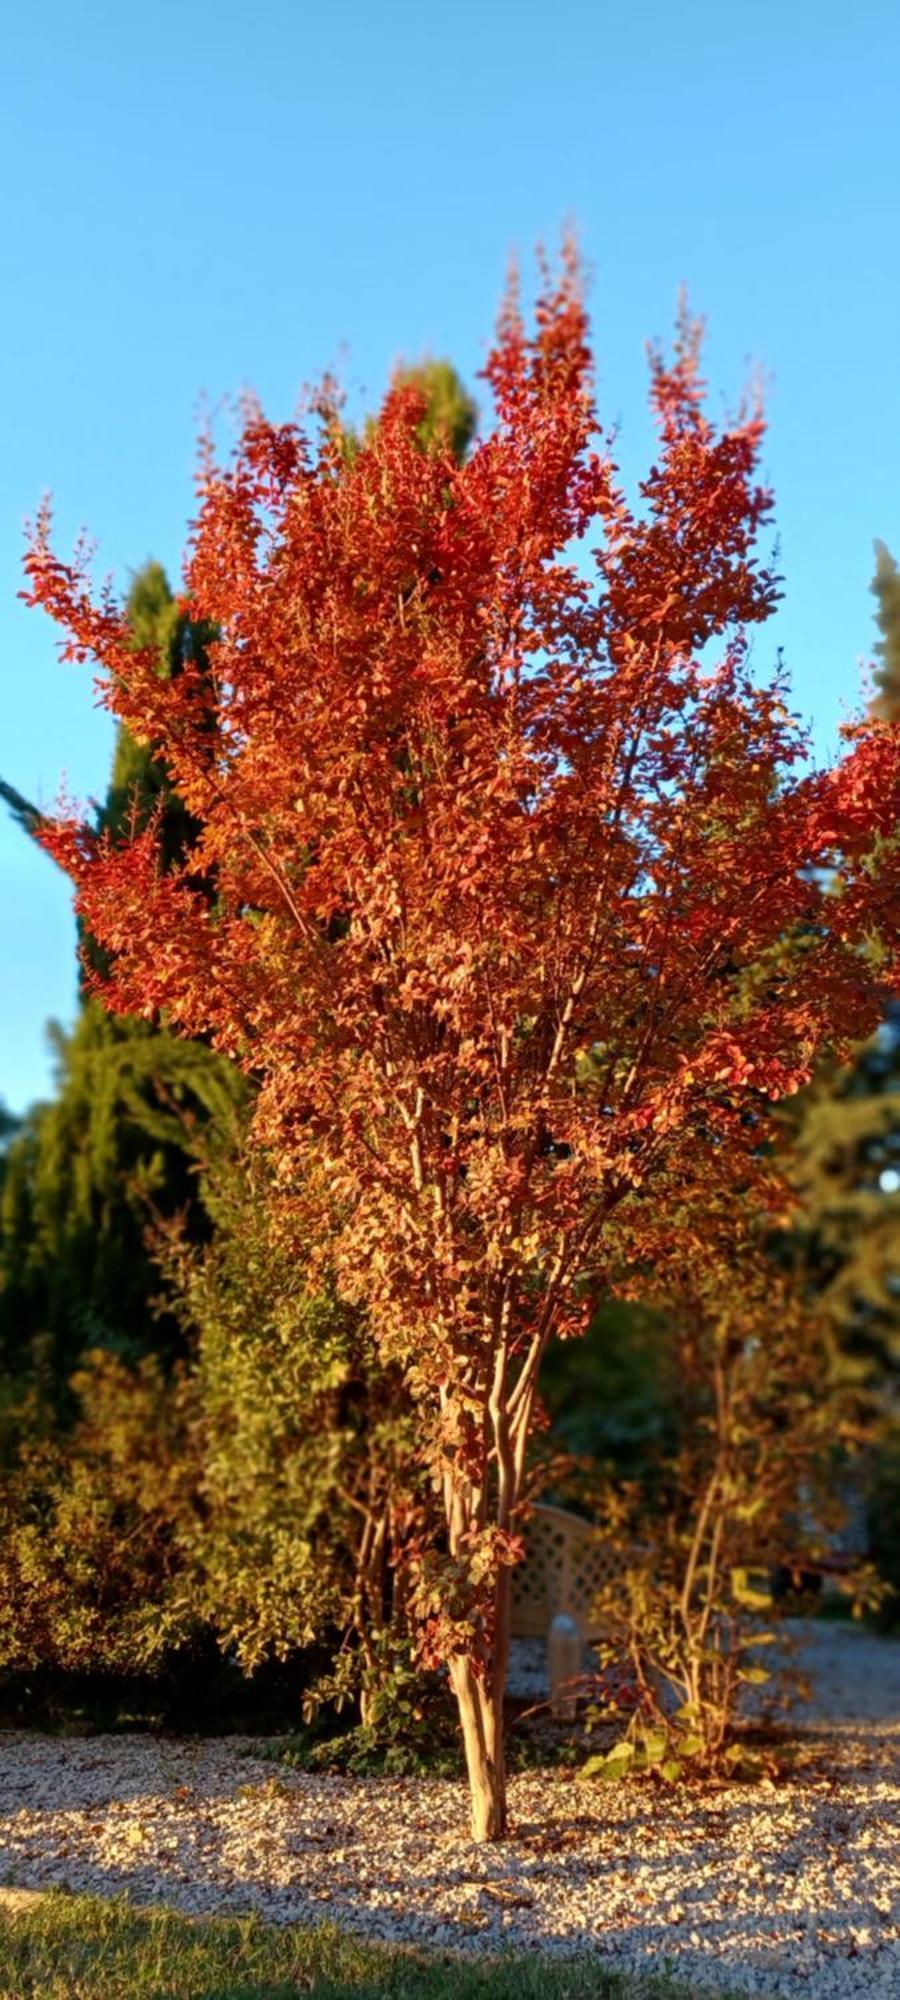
(653, 1895)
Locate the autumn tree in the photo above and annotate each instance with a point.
(116, 1138)
(510, 881)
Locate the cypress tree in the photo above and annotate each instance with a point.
(886, 589)
(86, 1171)
(847, 1167)
(83, 1178)
(847, 1136)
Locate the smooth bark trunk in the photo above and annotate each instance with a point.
(481, 1718)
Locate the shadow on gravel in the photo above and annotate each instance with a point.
(761, 1888)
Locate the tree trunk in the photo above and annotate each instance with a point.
(478, 1679)
(480, 1700)
(481, 1717)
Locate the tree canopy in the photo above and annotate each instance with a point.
(511, 884)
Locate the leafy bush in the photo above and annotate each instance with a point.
(95, 1524)
(884, 1524)
(749, 1485)
(256, 1497)
(310, 1484)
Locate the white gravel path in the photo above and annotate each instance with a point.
(790, 1889)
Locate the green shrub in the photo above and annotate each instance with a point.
(760, 1429)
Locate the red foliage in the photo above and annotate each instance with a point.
(510, 879)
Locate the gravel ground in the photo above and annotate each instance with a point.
(789, 1889)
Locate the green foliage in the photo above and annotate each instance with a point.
(749, 1486)
(82, 1177)
(413, 1732)
(308, 1476)
(139, 785)
(27, 816)
(154, 616)
(259, 1493)
(884, 1522)
(886, 588)
(411, 1728)
(676, 1749)
(609, 1395)
(450, 417)
(845, 1135)
(93, 1520)
(118, 1140)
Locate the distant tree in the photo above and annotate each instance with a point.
(845, 1137)
(138, 782)
(845, 1132)
(449, 418)
(507, 874)
(886, 587)
(116, 1142)
(82, 1179)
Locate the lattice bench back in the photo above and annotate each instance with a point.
(566, 1562)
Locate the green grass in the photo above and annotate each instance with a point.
(63, 1947)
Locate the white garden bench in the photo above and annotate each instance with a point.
(555, 1590)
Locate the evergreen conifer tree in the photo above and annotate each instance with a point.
(886, 588)
(847, 1136)
(87, 1169)
(847, 1166)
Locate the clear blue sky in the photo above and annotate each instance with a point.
(200, 196)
